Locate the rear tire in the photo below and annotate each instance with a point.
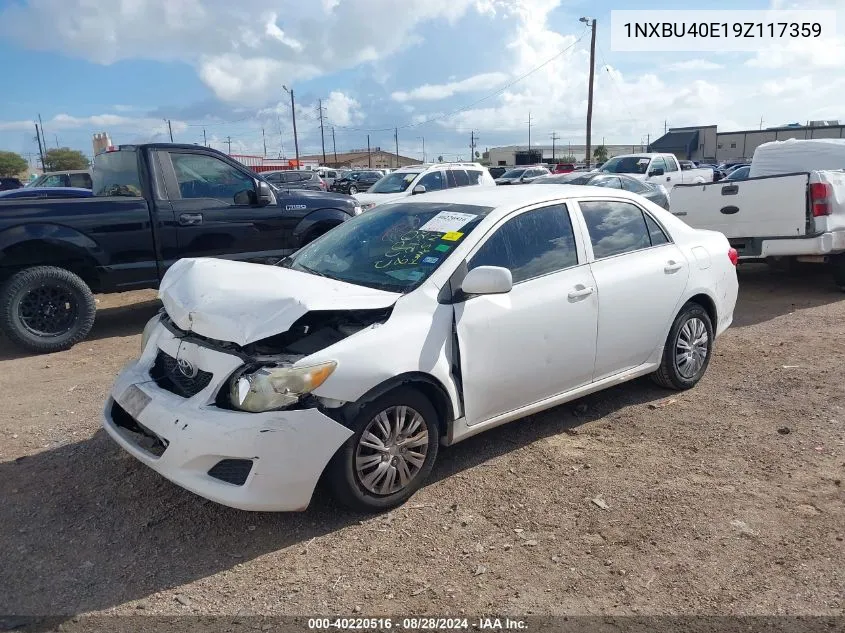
(837, 266)
(46, 309)
(352, 473)
(687, 351)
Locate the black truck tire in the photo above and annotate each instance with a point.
(46, 309)
(837, 266)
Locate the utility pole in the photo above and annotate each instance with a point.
(322, 134)
(396, 138)
(647, 142)
(554, 138)
(665, 126)
(422, 138)
(170, 129)
(472, 139)
(761, 123)
(264, 138)
(334, 147)
(592, 23)
(57, 140)
(529, 135)
(369, 158)
(229, 143)
(204, 140)
(40, 149)
(293, 117)
(43, 140)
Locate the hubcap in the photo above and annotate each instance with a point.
(48, 310)
(392, 450)
(691, 348)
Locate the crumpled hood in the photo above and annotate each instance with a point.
(243, 303)
(378, 198)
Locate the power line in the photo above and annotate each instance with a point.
(613, 82)
(474, 103)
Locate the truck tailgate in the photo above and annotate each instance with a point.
(772, 206)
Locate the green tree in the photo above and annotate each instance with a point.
(11, 164)
(63, 158)
(439, 159)
(566, 159)
(600, 153)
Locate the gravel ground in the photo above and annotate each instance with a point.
(726, 499)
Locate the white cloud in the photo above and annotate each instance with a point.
(433, 92)
(342, 109)
(693, 65)
(241, 57)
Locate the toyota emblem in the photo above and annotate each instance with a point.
(186, 368)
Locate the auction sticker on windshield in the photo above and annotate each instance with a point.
(448, 222)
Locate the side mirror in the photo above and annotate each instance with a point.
(487, 280)
(418, 189)
(658, 171)
(265, 194)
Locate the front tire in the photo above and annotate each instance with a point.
(353, 190)
(390, 454)
(688, 348)
(46, 309)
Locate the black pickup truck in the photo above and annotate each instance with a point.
(152, 205)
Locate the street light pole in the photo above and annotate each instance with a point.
(293, 116)
(422, 138)
(590, 22)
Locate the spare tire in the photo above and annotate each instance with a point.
(46, 309)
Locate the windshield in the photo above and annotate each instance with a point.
(394, 247)
(397, 182)
(513, 173)
(626, 165)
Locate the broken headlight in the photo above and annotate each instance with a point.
(270, 388)
(148, 330)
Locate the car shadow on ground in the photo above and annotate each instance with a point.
(765, 294)
(83, 519)
(126, 320)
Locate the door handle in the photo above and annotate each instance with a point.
(672, 266)
(190, 219)
(579, 292)
(668, 178)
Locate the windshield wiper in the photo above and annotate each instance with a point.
(312, 271)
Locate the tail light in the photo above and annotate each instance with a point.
(733, 256)
(820, 193)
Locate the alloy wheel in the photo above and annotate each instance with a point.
(691, 348)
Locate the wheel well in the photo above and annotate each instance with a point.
(429, 386)
(39, 253)
(708, 304)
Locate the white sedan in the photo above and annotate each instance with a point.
(413, 326)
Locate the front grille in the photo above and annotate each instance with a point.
(232, 471)
(167, 374)
(140, 435)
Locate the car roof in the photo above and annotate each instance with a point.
(509, 198)
(67, 171)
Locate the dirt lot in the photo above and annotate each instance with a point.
(726, 500)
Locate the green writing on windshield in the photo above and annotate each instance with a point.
(410, 249)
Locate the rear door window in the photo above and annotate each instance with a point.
(450, 177)
(116, 174)
(80, 180)
(461, 177)
(474, 176)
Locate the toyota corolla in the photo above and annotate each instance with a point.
(414, 326)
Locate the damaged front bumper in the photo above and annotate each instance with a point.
(252, 461)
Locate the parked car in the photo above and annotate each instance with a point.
(80, 178)
(731, 169)
(357, 357)
(687, 165)
(790, 208)
(197, 202)
(417, 179)
(656, 193)
(46, 192)
(356, 181)
(741, 173)
(656, 168)
(564, 168)
(295, 179)
(329, 176)
(497, 172)
(8, 183)
(522, 175)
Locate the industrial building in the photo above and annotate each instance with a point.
(706, 143)
(519, 154)
(374, 158)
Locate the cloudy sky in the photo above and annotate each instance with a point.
(436, 69)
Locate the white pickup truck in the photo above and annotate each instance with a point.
(660, 169)
(792, 208)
